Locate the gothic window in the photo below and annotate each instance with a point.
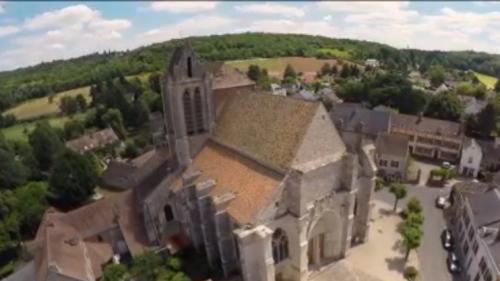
(188, 114)
(189, 67)
(169, 214)
(198, 109)
(280, 246)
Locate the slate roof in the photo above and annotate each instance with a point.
(93, 141)
(251, 183)
(426, 125)
(392, 144)
(267, 128)
(351, 115)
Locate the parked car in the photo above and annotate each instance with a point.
(453, 263)
(446, 165)
(447, 239)
(441, 202)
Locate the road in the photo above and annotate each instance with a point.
(431, 254)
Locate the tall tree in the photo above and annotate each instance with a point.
(31, 205)
(497, 85)
(253, 72)
(12, 170)
(115, 272)
(436, 75)
(45, 143)
(289, 72)
(73, 129)
(412, 238)
(113, 118)
(399, 191)
(445, 106)
(73, 178)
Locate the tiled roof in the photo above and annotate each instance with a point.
(426, 125)
(226, 76)
(67, 241)
(351, 116)
(391, 144)
(251, 183)
(267, 128)
(93, 141)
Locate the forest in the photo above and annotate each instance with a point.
(47, 78)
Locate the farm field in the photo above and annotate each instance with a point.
(276, 66)
(488, 81)
(20, 131)
(41, 106)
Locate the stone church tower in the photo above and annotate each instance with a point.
(188, 104)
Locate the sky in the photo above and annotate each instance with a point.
(34, 32)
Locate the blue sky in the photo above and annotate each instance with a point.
(32, 32)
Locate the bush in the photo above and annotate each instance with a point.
(410, 273)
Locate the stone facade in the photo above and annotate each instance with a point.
(318, 208)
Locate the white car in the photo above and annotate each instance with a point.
(441, 202)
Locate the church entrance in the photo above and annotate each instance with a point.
(325, 242)
(316, 249)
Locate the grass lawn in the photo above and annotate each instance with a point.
(20, 131)
(488, 81)
(40, 106)
(276, 66)
(335, 53)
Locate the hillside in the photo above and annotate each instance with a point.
(57, 76)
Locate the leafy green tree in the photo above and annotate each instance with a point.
(334, 69)
(410, 273)
(487, 123)
(412, 238)
(253, 72)
(73, 178)
(113, 118)
(12, 170)
(131, 149)
(497, 86)
(9, 227)
(436, 75)
(115, 272)
(445, 106)
(140, 113)
(68, 105)
(147, 266)
(345, 71)
(81, 102)
(31, 205)
(45, 143)
(289, 72)
(414, 219)
(73, 128)
(399, 191)
(154, 80)
(326, 69)
(414, 205)
(379, 184)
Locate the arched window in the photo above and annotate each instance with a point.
(280, 245)
(189, 67)
(169, 214)
(198, 110)
(188, 114)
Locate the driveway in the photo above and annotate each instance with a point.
(431, 254)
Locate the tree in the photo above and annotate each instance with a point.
(131, 149)
(379, 184)
(345, 71)
(68, 105)
(12, 170)
(436, 75)
(113, 118)
(73, 178)
(115, 272)
(497, 86)
(146, 266)
(253, 72)
(155, 82)
(31, 205)
(334, 69)
(73, 129)
(140, 113)
(414, 205)
(81, 102)
(412, 237)
(410, 273)
(399, 191)
(445, 106)
(487, 120)
(326, 69)
(45, 143)
(289, 72)
(9, 227)
(414, 219)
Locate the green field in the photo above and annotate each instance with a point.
(41, 106)
(488, 81)
(276, 66)
(20, 131)
(335, 53)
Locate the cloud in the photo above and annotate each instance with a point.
(182, 6)
(71, 15)
(363, 6)
(193, 26)
(8, 30)
(2, 6)
(272, 8)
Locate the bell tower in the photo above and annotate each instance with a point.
(188, 103)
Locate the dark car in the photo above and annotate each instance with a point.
(453, 263)
(447, 239)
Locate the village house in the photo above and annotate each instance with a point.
(431, 138)
(372, 63)
(94, 141)
(470, 160)
(474, 218)
(277, 90)
(392, 156)
(262, 184)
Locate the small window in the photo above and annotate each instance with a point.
(471, 233)
(394, 164)
(466, 248)
(279, 246)
(169, 214)
(470, 160)
(383, 163)
(189, 67)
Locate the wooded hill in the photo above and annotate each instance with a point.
(46, 78)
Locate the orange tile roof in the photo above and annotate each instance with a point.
(252, 184)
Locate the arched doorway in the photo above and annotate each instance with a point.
(324, 240)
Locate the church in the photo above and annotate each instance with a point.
(262, 185)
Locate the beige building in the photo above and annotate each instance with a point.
(428, 137)
(392, 155)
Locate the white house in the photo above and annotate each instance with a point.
(372, 63)
(277, 90)
(470, 160)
